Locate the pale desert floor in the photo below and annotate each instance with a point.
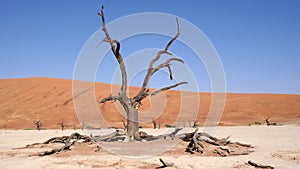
(278, 146)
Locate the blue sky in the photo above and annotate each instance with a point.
(258, 41)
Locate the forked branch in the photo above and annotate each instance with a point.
(144, 91)
(166, 64)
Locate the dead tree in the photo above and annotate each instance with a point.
(269, 123)
(82, 125)
(154, 124)
(190, 123)
(74, 126)
(62, 125)
(37, 124)
(160, 122)
(194, 124)
(132, 105)
(183, 123)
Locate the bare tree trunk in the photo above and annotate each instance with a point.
(124, 123)
(132, 123)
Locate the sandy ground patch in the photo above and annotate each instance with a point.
(277, 146)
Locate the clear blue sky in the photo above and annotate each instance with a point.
(258, 41)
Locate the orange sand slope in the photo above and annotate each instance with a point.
(50, 100)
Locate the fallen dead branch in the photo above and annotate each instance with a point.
(223, 147)
(106, 138)
(165, 164)
(146, 137)
(200, 142)
(259, 165)
(68, 141)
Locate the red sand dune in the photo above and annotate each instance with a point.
(50, 100)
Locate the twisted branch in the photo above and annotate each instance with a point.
(115, 50)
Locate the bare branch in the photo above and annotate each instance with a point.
(170, 72)
(166, 64)
(165, 164)
(109, 98)
(167, 88)
(143, 92)
(175, 37)
(115, 51)
(103, 40)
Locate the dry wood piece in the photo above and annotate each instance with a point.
(165, 164)
(259, 165)
(106, 138)
(222, 152)
(242, 144)
(195, 144)
(198, 142)
(145, 136)
(27, 146)
(223, 147)
(68, 141)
